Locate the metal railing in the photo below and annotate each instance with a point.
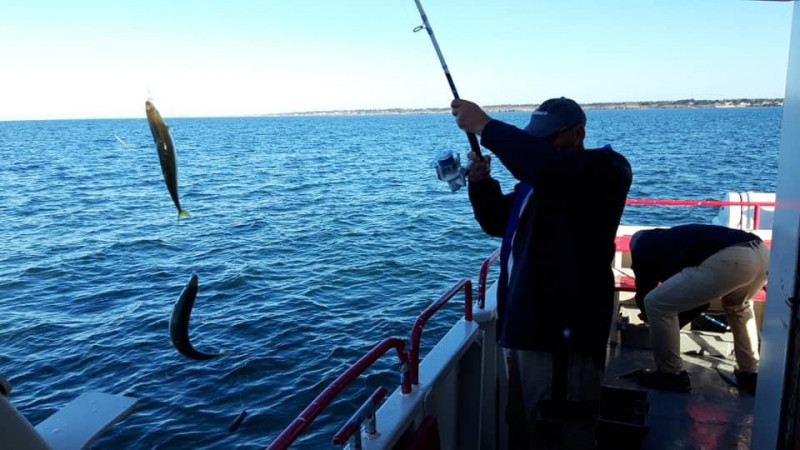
(483, 275)
(366, 413)
(664, 202)
(288, 436)
(410, 366)
(416, 330)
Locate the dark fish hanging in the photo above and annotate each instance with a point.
(179, 323)
(166, 154)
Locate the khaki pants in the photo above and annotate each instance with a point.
(536, 419)
(733, 274)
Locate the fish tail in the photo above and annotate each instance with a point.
(183, 213)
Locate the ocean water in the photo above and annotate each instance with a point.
(313, 238)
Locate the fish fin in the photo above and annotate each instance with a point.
(183, 213)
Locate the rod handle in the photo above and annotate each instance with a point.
(473, 143)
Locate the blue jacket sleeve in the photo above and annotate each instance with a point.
(523, 155)
(568, 176)
(490, 206)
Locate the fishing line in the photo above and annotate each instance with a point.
(473, 140)
(124, 144)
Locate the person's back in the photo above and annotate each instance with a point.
(555, 290)
(560, 297)
(666, 251)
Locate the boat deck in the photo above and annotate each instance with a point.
(714, 415)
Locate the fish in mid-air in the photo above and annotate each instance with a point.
(179, 323)
(166, 154)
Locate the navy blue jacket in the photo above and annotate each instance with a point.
(560, 292)
(660, 253)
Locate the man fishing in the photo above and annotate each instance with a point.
(556, 288)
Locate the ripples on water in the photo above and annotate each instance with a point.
(313, 239)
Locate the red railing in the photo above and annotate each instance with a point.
(756, 213)
(285, 439)
(410, 361)
(365, 413)
(416, 330)
(484, 273)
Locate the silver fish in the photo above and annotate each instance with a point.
(166, 154)
(179, 323)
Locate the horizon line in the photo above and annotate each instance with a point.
(503, 107)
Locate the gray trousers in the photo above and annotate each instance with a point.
(537, 418)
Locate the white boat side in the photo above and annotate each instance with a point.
(776, 408)
(459, 382)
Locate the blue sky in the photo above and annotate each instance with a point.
(103, 59)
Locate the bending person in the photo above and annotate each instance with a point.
(696, 264)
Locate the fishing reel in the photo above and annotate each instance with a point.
(449, 170)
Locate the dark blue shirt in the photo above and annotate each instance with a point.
(560, 291)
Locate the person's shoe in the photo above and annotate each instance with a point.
(746, 381)
(666, 381)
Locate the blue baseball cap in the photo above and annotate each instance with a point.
(553, 115)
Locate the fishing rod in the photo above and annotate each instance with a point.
(448, 165)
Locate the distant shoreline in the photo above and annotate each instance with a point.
(675, 104)
(659, 104)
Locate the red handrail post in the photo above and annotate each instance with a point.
(416, 330)
(484, 274)
(290, 434)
